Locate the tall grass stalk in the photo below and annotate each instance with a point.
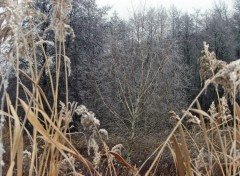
(23, 36)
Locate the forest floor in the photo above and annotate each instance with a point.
(143, 148)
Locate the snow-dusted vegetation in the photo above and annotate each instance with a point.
(84, 92)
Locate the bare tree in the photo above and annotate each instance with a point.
(142, 60)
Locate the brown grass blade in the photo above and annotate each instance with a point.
(185, 152)
(124, 162)
(180, 164)
(37, 125)
(20, 157)
(10, 170)
(39, 88)
(17, 140)
(237, 109)
(201, 112)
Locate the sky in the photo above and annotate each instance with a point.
(125, 7)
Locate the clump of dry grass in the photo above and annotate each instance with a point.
(51, 151)
(213, 148)
(92, 131)
(21, 41)
(209, 64)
